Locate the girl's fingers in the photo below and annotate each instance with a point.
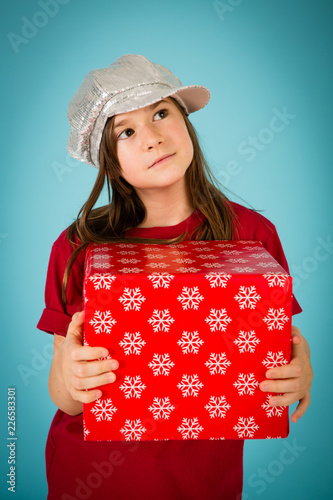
(85, 353)
(301, 408)
(284, 372)
(82, 384)
(283, 386)
(85, 396)
(92, 368)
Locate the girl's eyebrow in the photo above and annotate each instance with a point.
(152, 107)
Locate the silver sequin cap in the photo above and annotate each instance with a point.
(130, 83)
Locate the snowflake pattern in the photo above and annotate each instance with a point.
(102, 265)
(102, 322)
(133, 430)
(102, 281)
(161, 320)
(246, 427)
(212, 264)
(272, 411)
(103, 409)
(86, 431)
(160, 280)
(274, 359)
(217, 363)
(190, 428)
(190, 298)
(243, 269)
(161, 364)
(158, 265)
(132, 387)
(247, 297)
(184, 261)
(218, 279)
(268, 264)
(190, 385)
(247, 341)
(132, 299)
(246, 384)
(231, 252)
(129, 261)
(276, 279)
(190, 342)
(218, 320)
(131, 270)
(128, 252)
(237, 261)
(217, 406)
(188, 270)
(132, 343)
(161, 408)
(275, 319)
(261, 255)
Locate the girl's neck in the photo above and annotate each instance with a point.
(166, 208)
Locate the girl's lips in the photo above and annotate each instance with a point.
(161, 159)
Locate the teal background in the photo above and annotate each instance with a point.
(256, 57)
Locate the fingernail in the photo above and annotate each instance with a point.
(273, 402)
(98, 394)
(110, 377)
(114, 365)
(264, 387)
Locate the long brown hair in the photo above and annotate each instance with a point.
(125, 210)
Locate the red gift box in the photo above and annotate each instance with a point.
(194, 327)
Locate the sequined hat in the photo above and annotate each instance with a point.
(130, 83)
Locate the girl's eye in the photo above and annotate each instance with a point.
(162, 113)
(126, 133)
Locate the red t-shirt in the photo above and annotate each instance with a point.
(166, 470)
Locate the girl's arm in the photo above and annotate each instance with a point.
(293, 380)
(77, 371)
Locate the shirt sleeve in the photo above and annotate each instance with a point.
(57, 315)
(255, 226)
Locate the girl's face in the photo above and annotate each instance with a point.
(153, 146)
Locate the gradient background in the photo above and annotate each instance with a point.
(255, 57)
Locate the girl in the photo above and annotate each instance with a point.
(130, 121)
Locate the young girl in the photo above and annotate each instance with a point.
(130, 121)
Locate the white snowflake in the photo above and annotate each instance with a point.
(247, 341)
(268, 264)
(202, 249)
(247, 297)
(161, 408)
(133, 430)
(217, 363)
(180, 252)
(217, 406)
(100, 248)
(237, 261)
(126, 245)
(274, 359)
(101, 256)
(190, 342)
(158, 265)
(190, 385)
(161, 364)
(102, 281)
(128, 252)
(153, 249)
(129, 261)
(272, 411)
(208, 256)
(218, 320)
(160, 280)
(261, 255)
(275, 319)
(132, 299)
(226, 245)
(86, 431)
(154, 256)
(161, 320)
(184, 261)
(243, 269)
(276, 279)
(246, 384)
(188, 270)
(102, 265)
(218, 279)
(231, 252)
(132, 387)
(190, 298)
(103, 409)
(246, 427)
(102, 322)
(132, 343)
(190, 428)
(130, 270)
(212, 264)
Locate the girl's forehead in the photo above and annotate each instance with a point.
(131, 114)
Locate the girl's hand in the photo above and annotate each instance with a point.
(82, 369)
(292, 380)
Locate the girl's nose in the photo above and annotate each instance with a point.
(151, 137)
